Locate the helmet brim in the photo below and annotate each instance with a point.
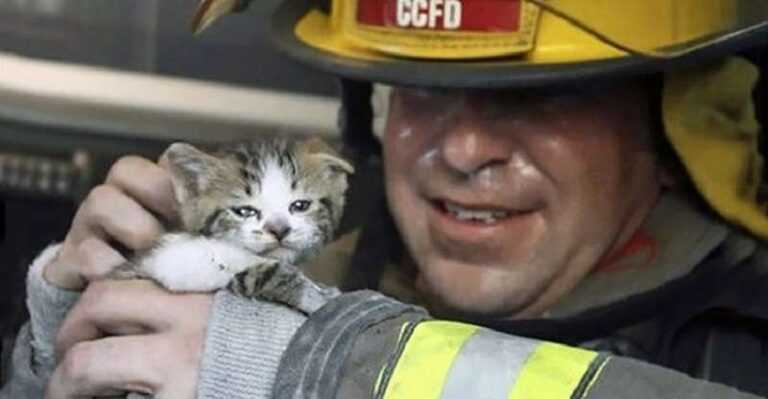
(490, 73)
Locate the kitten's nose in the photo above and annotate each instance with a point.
(278, 229)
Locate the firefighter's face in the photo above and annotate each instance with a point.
(507, 199)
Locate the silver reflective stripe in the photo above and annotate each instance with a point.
(487, 366)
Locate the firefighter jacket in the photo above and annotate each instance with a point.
(682, 304)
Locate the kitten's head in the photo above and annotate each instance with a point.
(279, 198)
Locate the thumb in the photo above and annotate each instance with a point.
(163, 161)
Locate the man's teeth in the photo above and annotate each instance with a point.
(475, 215)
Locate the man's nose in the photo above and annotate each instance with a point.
(470, 145)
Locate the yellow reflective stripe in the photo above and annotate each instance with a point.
(380, 378)
(421, 370)
(595, 377)
(553, 371)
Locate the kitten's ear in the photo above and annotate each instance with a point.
(191, 170)
(321, 151)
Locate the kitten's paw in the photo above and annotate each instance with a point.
(196, 264)
(252, 281)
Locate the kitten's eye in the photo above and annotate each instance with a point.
(246, 211)
(299, 206)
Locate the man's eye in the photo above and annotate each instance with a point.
(246, 211)
(299, 206)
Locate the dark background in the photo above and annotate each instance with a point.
(150, 36)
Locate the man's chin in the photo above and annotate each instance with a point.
(467, 292)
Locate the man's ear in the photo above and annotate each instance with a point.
(191, 170)
(320, 151)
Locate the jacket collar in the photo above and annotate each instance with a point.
(673, 240)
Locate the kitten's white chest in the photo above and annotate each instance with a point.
(196, 264)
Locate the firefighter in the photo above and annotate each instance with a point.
(574, 209)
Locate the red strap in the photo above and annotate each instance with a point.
(640, 243)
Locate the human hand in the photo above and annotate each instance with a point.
(131, 335)
(128, 209)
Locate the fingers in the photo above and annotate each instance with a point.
(165, 365)
(106, 215)
(160, 356)
(76, 264)
(98, 259)
(147, 182)
(120, 213)
(110, 366)
(109, 213)
(112, 307)
(130, 306)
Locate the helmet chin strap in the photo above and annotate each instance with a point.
(355, 119)
(380, 108)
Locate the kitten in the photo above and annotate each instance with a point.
(249, 213)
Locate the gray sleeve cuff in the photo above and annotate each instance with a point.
(48, 305)
(21, 380)
(245, 340)
(33, 354)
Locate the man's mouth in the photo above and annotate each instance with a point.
(475, 214)
(480, 232)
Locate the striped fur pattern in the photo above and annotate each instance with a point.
(253, 192)
(277, 199)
